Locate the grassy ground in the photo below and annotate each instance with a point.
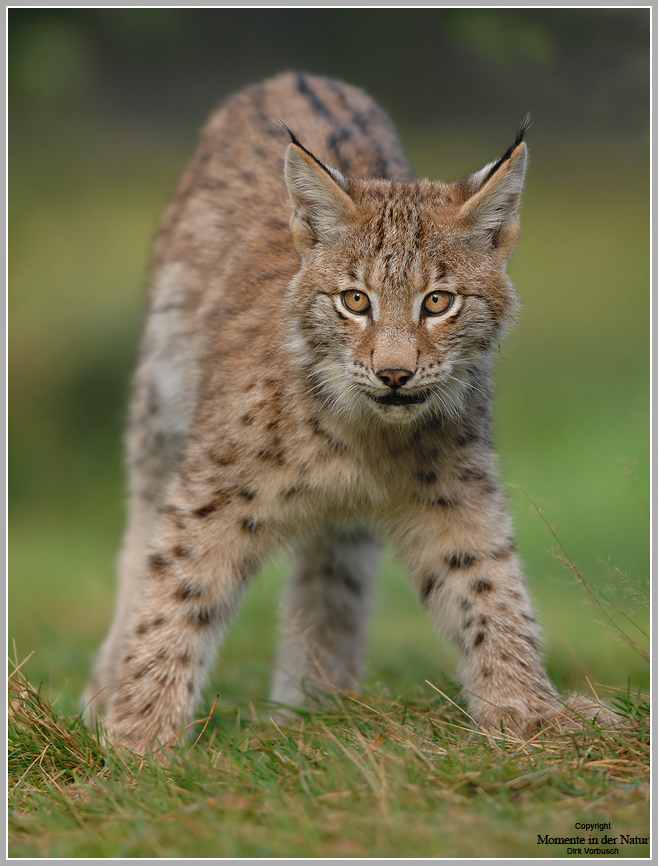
(377, 777)
(402, 773)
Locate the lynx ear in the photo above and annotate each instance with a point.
(490, 215)
(322, 208)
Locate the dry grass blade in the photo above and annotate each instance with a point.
(205, 721)
(450, 700)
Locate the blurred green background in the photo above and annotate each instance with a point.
(103, 113)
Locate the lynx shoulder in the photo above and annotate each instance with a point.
(315, 369)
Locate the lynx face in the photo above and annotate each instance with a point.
(402, 294)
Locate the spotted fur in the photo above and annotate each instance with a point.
(315, 369)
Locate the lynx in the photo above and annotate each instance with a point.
(316, 370)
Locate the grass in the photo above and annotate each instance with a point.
(377, 777)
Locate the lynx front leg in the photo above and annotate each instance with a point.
(327, 608)
(199, 561)
(462, 560)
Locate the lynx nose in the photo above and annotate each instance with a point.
(394, 378)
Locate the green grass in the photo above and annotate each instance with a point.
(401, 774)
(376, 777)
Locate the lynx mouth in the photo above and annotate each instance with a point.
(397, 399)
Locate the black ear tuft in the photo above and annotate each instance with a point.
(298, 144)
(292, 135)
(525, 123)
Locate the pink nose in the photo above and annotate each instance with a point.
(394, 378)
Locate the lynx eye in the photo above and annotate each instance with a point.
(356, 302)
(438, 302)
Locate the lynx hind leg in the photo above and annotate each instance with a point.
(326, 614)
(153, 451)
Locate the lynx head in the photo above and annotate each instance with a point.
(402, 293)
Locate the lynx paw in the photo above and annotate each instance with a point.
(576, 713)
(131, 734)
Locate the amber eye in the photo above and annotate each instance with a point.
(356, 302)
(438, 302)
